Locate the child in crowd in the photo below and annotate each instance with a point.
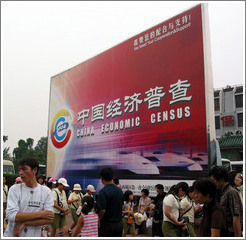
(128, 220)
(90, 191)
(88, 222)
(41, 180)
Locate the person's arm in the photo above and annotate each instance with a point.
(58, 207)
(215, 232)
(38, 222)
(235, 207)
(123, 210)
(78, 226)
(198, 209)
(139, 203)
(71, 200)
(74, 200)
(31, 216)
(101, 213)
(99, 224)
(171, 217)
(147, 205)
(237, 226)
(102, 204)
(138, 208)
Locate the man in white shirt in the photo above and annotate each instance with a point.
(60, 208)
(30, 205)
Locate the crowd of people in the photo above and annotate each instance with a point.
(35, 207)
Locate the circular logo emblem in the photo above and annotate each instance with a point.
(60, 131)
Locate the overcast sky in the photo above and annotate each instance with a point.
(41, 39)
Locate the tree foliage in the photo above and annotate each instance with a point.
(6, 154)
(25, 149)
(40, 150)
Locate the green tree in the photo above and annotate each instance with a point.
(5, 138)
(24, 149)
(40, 150)
(6, 154)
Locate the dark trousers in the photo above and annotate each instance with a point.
(157, 229)
(111, 229)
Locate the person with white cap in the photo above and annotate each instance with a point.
(75, 200)
(60, 208)
(90, 190)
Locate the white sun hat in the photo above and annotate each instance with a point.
(77, 187)
(139, 218)
(63, 181)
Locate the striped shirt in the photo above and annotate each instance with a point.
(90, 225)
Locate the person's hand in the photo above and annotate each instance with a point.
(47, 214)
(181, 223)
(18, 229)
(200, 208)
(66, 211)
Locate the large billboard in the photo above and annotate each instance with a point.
(139, 107)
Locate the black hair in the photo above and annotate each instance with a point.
(116, 180)
(145, 191)
(127, 194)
(87, 204)
(206, 187)
(219, 173)
(160, 187)
(49, 184)
(29, 161)
(41, 176)
(106, 174)
(232, 175)
(191, 189)
(171, 189)
(175, 189)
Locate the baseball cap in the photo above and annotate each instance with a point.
(90, 188)
(52, 180)
(77, 187)
(63, 181)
